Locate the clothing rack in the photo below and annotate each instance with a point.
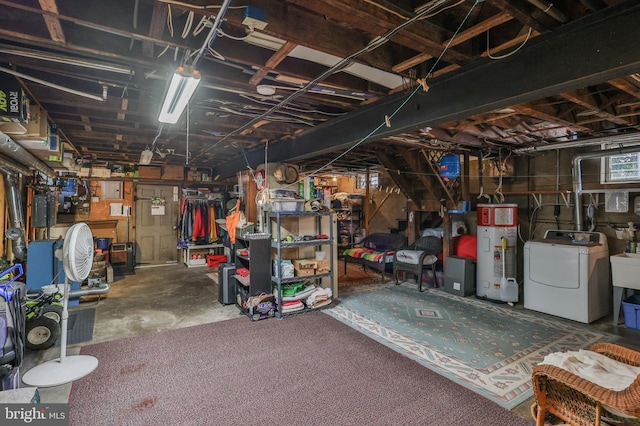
(198, 224)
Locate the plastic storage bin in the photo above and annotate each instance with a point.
(287, 205)
(631, 306)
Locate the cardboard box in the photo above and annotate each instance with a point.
(173, 172)
(149, 172)
(193, 175)
(38, 125)
(305, 264)
(12, 128)
(102, 172)
(14, 105)
(304, 272)
(322, 266)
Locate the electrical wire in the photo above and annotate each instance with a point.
(408, 98)
(201, 25)
(170, 20)
(377, 42)
(506, 55)
(187, 25)
(194, 6)
(223, 34)
(443, 9)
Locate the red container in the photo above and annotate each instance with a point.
(213, 260)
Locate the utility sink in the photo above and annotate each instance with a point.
(625, 270)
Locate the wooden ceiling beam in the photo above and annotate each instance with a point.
(422, 36)
(586, 101)
(52, 23)
(589, 59)
(401, 180)
(156, 28)
(272, 63)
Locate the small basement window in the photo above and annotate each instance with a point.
(374, 180)
(622, 168)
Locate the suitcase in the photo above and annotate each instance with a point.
(226, 283)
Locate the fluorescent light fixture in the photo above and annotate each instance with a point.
(184, 82)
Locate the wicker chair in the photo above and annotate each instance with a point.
(422, 253)
(577, 401)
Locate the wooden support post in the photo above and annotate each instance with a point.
(365, 202)
(446, 237)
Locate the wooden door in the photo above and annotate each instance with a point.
(156, 224)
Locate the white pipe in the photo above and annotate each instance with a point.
(577, 175)
(631, 138)
(53, 85)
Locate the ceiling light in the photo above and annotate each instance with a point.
(145, 157)
(266, 90)
(183, 83)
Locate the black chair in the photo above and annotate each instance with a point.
(420, 255)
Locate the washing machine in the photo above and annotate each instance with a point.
(566, 274)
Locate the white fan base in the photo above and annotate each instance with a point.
(55, 372)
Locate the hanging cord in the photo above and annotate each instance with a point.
(506, 55)
(374, 44)
(481, 178)
(188, 24)
(186, 157)
(499, 193)
(170, 20)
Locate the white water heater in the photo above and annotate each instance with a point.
(495, 221)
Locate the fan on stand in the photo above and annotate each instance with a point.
(77, 258)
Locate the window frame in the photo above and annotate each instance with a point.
(605, 167)
(374, 180)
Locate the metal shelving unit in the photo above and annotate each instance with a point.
(256, 260)
(323, 226)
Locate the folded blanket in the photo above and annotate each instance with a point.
(303, 294)
(318, 296)
(595, 367)
(370, 255)
(286, 310)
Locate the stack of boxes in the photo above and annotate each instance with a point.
(307, 267)
(304, 267)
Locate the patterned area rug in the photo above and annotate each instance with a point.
(488, 348)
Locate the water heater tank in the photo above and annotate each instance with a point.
(495, 221)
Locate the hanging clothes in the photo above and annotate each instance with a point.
(213, 225)
(232, 222)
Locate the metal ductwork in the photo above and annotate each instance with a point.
(576, 172)
(91, 291)
(16, 231)
(17, 152)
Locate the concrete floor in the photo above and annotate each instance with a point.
(174, 296)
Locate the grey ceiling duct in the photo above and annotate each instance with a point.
(15, 151)
(13, 166)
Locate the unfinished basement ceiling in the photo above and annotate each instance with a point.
(437, 75)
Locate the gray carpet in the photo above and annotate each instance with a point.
(80, 326)
(305, 370)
